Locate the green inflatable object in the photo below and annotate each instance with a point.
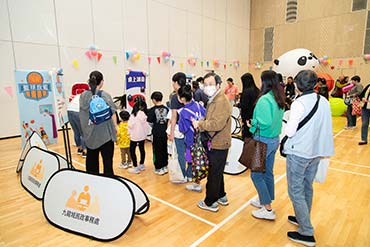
(337, 107)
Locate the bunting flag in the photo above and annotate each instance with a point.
(9, 90)
(181, 65)
(114, 59)
(207, 63)
(75, 64)
(149, 60)
(172, 62)
(159, 59)
(224, 65)
(201, 63)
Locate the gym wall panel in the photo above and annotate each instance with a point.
(256, 45)
(194, 35)
(209, 43)
(74, 22)
(158, 27)
(220, 41)
(194, 6)
(108, 26)
(179, 4)
(177, 33)
(267, 13)
(237, 13)
(160, 80)
(11, 126)
(33, 21)
(313, 9)
(135, 25)
(36, 56)
(4, 21)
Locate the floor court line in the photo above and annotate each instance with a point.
(182, 210)
(344, 171)
(349, 163)
(230, 217)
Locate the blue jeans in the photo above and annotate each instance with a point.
(181, 149)
(264, 182)
(74, 120)
(365, 123)
(300, 175)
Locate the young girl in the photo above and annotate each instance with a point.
(138, 129)
(123, 140)
(192, 111)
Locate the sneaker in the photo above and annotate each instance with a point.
(293, 220)
(164, 170)
(122, 166)
(84, 154)
(264, 214)
(156, 171)
(161, 172)
(134, 170)
(79, 151)
(362, 143)
(223, 201)
(189, 179)
(194, 187)
(256, 203)
(212, 208)
(141, 167)
(305, 240)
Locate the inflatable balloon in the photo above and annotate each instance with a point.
(337, 107)
(291, 62)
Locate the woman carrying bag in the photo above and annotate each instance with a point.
(266, 127)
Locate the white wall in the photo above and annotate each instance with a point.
(42, 34)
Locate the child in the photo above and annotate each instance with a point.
(157, 117)
(138, 129)
(123, 140)
(322, 88)
(192, 111)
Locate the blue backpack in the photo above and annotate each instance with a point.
(99, 109)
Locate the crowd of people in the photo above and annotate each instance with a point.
(204, 107)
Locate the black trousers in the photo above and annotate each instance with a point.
(160, 153)
(133, 145)
(215, 187)
(92, 159)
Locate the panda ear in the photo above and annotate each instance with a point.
(276, 62)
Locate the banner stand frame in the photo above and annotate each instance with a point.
(67, 146)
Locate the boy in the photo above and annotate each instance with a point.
(157, 117)
(123, 140)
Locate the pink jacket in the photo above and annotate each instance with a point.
(138, 127)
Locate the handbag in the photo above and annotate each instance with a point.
(254, 155)
(322, 170)
(199, 159)
(356, 106)
(348, 100)
(300, 125)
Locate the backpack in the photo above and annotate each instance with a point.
(99, 109)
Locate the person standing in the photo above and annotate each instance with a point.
(218, 123)
(354, 92)
(198, 94)
(123, 140)
(157, 117)
(73, 111)
(304, 149)
(98, 138)
(365, 98)
(266, 126)
(247, 102)
(231, 91)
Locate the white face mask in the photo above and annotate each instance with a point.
(210, 90)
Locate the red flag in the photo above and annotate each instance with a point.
(159, 59)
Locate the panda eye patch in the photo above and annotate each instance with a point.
(302, 60)
(309, 58)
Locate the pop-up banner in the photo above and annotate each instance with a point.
(38, 166)
(135, 87)
(94, 206)
(33, 141)
(141, 199)
(41, 103)
(233, 167)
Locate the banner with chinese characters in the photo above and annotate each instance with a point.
(94, 206)
(39, 165)
(135, 87)
(41, 104)
(33, 141)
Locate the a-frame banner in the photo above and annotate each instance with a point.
(33, 141)
(233, 167)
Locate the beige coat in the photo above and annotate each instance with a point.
(218, 119)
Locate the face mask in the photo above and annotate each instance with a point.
(210, 90)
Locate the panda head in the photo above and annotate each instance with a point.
(291, 62)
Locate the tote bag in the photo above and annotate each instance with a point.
(254, 155)
(174, 169)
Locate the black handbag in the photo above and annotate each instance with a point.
(300, 125)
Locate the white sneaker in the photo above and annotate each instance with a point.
(134, 170)
(141, 167)
(194, 187)
(263, 213)
(161, 172)
(256, 203)
(164, 170)
(121, 166)
(190, 179)
(156, 171)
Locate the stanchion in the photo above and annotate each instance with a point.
(67, 146)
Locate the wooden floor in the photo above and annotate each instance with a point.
(340, 213)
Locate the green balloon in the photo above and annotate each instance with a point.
(337, 107)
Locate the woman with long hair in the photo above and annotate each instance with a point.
(266, 127)
(247, 101)
(99, 138)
